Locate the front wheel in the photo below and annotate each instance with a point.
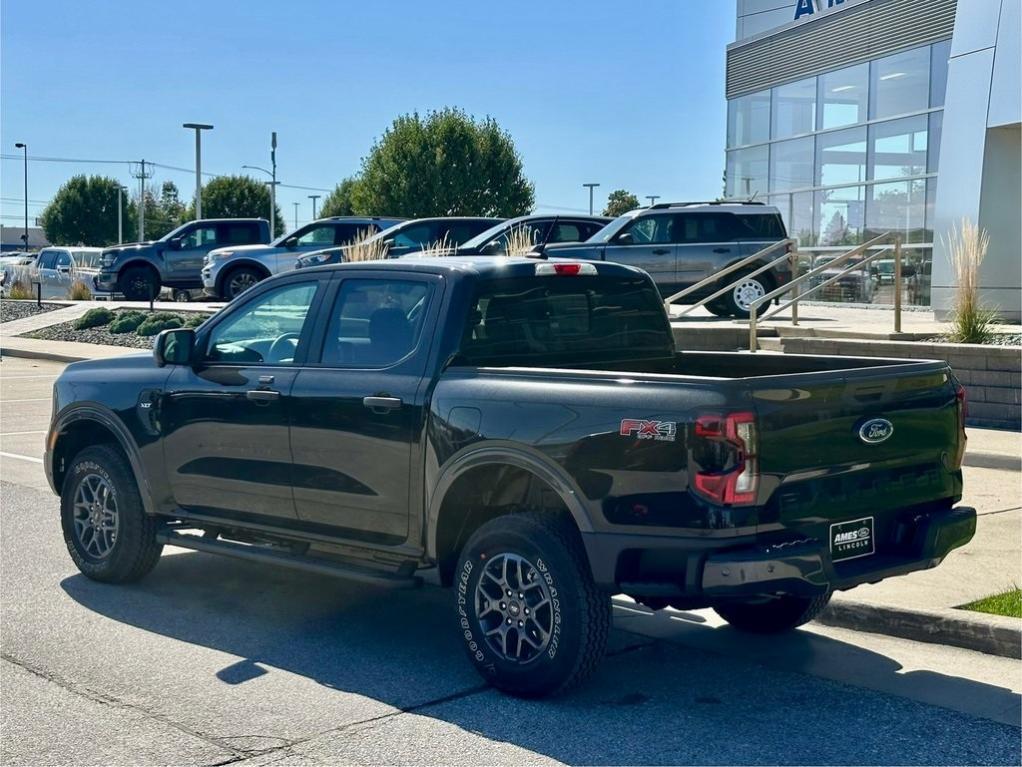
(240, 280)
(107, 532)
(738, 301)
(531, 618)
(773, 615)
(139, 283)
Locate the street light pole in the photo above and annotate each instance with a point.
(591, 187)
(24, 149)
(198, 128)
(120, 215)
(296, 213)
(273, 194)
(652, 198)
(273, 183)
(314, 197)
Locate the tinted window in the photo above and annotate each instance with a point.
(651, 229)
(759, 226)
(568, 231)
(692, 228)
(63, 259)
(375, 323)
(463, 231)
(588, 228)
(264, 330)
(46, 259)
(239, 234)
(584, 321)
(319, 234)
(415, 236)
(345, 233)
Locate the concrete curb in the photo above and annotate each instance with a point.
(991, 634)
(32, 354)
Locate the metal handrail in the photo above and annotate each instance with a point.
(724, 272)
(858, 250)
(730, 286)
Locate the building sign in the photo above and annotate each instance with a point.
(811, 7)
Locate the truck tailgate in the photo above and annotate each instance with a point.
(860, 444)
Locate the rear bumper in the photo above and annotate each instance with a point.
(706, 573)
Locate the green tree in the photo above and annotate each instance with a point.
(163, 213)
(444, 164)
(84, 212)
(340, 201)
(620, 202)
(236, 197)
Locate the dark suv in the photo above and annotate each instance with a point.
(681, 243)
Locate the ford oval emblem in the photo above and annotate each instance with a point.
(876, 430)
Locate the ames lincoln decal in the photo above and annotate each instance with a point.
(810, 7)
(661, 431)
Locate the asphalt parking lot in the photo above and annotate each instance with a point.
(212, 661)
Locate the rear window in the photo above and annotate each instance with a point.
(580, 321)
(761, 226)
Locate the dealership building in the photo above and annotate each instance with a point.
(859, 117)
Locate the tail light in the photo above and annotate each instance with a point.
(736, 482)
(963, 411)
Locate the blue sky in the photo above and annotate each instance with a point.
(628, 95)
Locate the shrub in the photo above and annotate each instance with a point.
(971, 323)
(520, 241)
(152, 326)
(94, 318)
(20, 292)
(364, 248)
(79, 291)
(127, 322)
(442, 247)
(195, 320)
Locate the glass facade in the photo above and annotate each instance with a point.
(847, 155)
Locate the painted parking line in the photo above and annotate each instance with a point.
(33, 399)
(25, 378)
(21, 457)
(19, 433)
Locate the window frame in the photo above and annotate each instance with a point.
(301, 351)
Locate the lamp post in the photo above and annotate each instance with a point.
(198, 128)
(591, 187)
(273, 196)
(24, 149)
(314, 197)
(652, 198)
(296, 213)
(120, 214)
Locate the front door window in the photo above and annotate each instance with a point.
(266, 330)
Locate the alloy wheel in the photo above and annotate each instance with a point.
(95, 516)
(746, 292)
(240, 282)
(514, 608)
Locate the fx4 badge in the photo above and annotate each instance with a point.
(661, 431)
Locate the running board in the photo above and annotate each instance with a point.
(255, 553)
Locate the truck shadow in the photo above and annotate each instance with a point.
(697, 695)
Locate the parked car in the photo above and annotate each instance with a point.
(56, 269)
(854, 287)
(540, 230)
(409, 237)
(680, 244)
(522, 430)
(14, 266)
(140, 270)
(228, 272)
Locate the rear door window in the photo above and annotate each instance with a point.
(696, 228)
(760, 226)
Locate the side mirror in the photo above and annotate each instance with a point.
(174, 347)
(625, 238)
(64, 269)
(291, 243)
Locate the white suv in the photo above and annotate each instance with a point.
(230, 271)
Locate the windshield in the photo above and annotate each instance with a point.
(615, 226)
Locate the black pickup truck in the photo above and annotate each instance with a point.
(522, 430)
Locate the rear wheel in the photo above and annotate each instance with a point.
(139, 283)
(531, 619)
(738, 301)
(239, 280)
(718, 308)
(108, 534)
(772, 616)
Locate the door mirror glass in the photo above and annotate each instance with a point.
(174, 347)
(175, 244)
(291, 242)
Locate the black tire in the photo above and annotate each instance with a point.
(579, 614)
(240, 279)
(735, 301)
(773, 616)
(139, 283)
(181, 296)
(133, 550)
(718, 308)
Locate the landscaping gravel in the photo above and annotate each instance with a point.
(998, 339)
(16, 310)
(100, 335)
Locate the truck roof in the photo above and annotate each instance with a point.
(483, 266)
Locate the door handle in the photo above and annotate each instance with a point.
(661, 251)
(722, 250)
(262, 396)
(382, 405)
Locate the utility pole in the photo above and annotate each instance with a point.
(24, 149)
(652, 198)
(296, 213)
(314, 197)
(141, 176)
(273, 184)
(120, 215)
(591, 187)
(198, 128)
